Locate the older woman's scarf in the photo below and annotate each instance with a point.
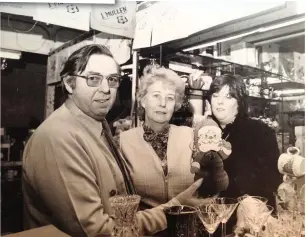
(158, 141)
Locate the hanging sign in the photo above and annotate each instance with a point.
(144, 27)
(18, 8)
(120, 47)
(118, 19)
(69, 1)
(69, 15)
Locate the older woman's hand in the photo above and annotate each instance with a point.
(189, 196)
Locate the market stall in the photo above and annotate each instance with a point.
(265, 49)
(264, 44)
(245, 47)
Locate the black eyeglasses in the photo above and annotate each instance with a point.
(96, 80)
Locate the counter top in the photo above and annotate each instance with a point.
(45, 231)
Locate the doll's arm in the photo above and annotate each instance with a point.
(226, 149)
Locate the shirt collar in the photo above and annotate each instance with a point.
(90, 123)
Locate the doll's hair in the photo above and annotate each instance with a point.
(237, 90)
(153, 74)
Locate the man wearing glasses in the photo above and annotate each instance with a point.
(70, 166)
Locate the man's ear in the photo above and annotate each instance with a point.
(67, 85)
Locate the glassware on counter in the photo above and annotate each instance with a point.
(125, 208)
(181, 221)
(210, 217)
(285, 224)
(247, 198)
(225, 207)
(255, 211)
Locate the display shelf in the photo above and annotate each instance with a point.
(294, 112)
(287, 84)
(5, 145)
(11, 163)
(263, 98)
(16, 180)
(296, 118)
(277, 81)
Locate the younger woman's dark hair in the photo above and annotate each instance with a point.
(237, 89)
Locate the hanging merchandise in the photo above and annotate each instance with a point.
(265, 90)
(118, 19)
(299, 67)
(70, 15)
(270, 58)
(198, 83)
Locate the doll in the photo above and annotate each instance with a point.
(209, 152)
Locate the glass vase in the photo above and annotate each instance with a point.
(125, 208)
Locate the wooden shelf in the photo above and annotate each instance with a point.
(296, 112)
(288, 84)
(184, 62)
(11, 163)
(262, 98)
(5, 145)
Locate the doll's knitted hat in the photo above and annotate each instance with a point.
(206, 122)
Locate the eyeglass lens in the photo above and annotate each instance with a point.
(96, 80)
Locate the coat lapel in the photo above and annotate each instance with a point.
(173, 149)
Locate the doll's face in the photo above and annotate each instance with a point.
(209, 138)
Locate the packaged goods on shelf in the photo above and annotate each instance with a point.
(299, 67)
(292, 65)
(286, 141)
(243, 53)
(270, 57)
(286, 63)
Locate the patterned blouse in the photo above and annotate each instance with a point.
(159, 142)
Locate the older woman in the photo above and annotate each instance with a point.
(252, 165)
(158, 154)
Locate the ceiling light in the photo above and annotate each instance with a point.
(259, 30)
(278, 39)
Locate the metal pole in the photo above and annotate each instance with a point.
(283, 120)
(134, 87)
(160, 55)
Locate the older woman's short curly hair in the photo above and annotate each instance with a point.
(153, 74)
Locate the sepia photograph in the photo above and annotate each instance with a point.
(168, 118)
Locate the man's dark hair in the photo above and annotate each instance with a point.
(77, 61)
